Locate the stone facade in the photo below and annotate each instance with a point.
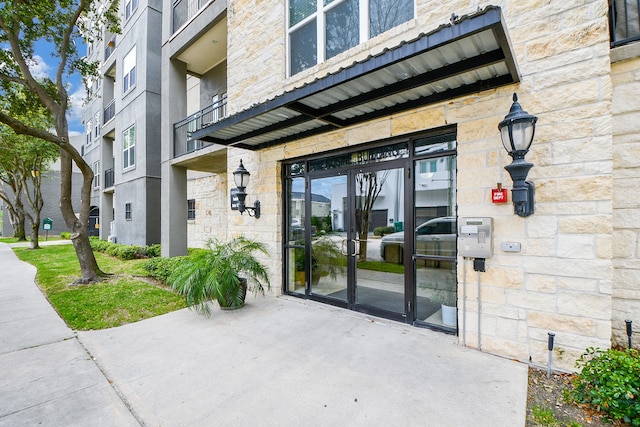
(569, 277)
(625, 75)
(211, 209)
(562, 280)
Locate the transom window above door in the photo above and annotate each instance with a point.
(321, 29)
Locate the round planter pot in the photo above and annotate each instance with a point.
(243, 286)
(449, 315)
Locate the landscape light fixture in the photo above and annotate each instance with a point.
(517, 131)
(241, 178)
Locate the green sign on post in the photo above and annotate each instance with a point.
(47, 224)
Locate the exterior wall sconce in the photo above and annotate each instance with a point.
(241, 178)
(517, 131)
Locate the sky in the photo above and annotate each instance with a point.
(45, 65)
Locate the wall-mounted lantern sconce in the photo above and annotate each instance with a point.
(517, 131)
(241, 178)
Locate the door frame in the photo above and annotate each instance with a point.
(407, 164)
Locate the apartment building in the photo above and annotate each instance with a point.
(357, 118)
(122, 128)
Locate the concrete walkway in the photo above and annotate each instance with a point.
(279, 361)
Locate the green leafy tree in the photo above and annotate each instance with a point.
(11, 190)
(63, 25)
(23, 160)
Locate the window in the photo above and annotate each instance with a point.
(191, 209)
(321, 29)
(127, 211)
(97, 125)
(96, 174)
(129, 71)
(129, 7)
(129, 147)
(89, 130)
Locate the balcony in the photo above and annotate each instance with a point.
(183, 10)
(109, 178)
(110, 47)
(624, 22)
(109, 111)
(182, 142)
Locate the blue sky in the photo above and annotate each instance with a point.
(46, 65)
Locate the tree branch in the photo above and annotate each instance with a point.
(29, 80)
(22, 129)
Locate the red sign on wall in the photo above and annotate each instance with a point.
(499, 195)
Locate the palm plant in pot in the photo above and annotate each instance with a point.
(221, 273)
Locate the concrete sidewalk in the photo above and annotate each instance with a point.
(277, 362)
(46, 376)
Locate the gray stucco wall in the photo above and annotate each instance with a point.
(214, 82)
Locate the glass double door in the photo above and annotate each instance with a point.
(350, 213)
(374, 230)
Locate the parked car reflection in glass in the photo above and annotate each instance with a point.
(436, 237)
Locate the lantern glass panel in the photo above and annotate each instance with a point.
(522, 135)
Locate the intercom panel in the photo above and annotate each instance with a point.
(475, 237)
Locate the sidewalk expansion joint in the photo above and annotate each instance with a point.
(112, 384)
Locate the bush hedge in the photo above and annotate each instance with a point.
(381, 231)
(124, 252)
(162, 267)
(609, 381)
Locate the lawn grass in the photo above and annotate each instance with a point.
(126, 296)
(385, 267)
(41, 238)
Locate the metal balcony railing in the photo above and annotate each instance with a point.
(182, 142)
(109, 111)
(109, 178)
(624, 21)
(110, 47)
(183, 10)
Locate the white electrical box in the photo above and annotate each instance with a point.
(475, 237)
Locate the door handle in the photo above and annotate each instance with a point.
(355, 251)
(345, 247)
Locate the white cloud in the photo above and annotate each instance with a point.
(76, 107)
(38, 67)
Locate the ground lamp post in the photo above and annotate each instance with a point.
(241, 178)
(517, 131)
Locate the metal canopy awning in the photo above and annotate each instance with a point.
(469, 55)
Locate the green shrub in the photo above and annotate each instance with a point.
(127, 252)
(124, 252)
(610, 382)
(153, 251)
(381, 231)
(161, 267)
(65, 235)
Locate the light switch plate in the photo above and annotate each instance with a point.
(511, 246)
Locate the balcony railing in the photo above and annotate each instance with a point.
(183, 10)
(182, 142)
(109, 178)
(109, 111)
(110, 47)
(624, 21)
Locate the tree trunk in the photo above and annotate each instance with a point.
(35, 226)
(363, 245)
(79, 225)
(18, 227)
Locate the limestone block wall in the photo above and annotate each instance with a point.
(562, 279)
(626, 199)
(211, 209)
